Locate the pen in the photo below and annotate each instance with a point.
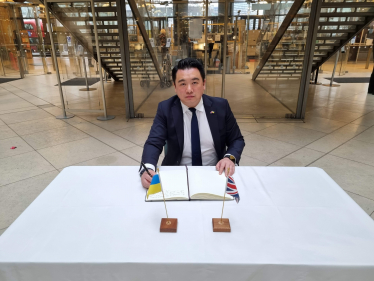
(146, 169)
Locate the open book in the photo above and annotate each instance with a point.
(191, 183)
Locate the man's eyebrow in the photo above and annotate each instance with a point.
(196, 78)
(182, 80)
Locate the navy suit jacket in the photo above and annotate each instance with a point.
(168, 127)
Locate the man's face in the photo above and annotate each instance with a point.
(189, 86)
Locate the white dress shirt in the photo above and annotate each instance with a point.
(208, 152)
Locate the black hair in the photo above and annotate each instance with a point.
(188, 63)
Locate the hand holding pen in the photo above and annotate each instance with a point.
(147, 176)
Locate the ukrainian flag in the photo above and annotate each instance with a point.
(155, 186)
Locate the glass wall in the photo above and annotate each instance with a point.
(34, 41)
(24, 46)
(227, 37)
(74, 43)
(281, 75)
(197, 29)
(175, 31)
(251, 28)
(9, 47)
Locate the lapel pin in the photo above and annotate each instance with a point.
(212, 112)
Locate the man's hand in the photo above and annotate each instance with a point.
(146, 179)
(224, 164)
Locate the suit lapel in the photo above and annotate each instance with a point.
(213, 123)
(178, 122)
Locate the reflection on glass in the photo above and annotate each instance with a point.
(282, 72)
(8, 44)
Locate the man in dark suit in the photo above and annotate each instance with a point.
(197, 129)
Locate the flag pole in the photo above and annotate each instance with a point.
(158, 170)
(224, 195)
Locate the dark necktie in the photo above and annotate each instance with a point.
(195, 140)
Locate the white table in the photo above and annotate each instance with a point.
(92, 223)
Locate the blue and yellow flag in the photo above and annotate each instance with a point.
(155, 186)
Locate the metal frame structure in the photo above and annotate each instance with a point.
(40, 37)
(308, 58)
(125, 58)
(64, 115)
(333, 71)
(105, 117)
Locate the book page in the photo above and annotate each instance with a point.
(207, 184)
(174, 184)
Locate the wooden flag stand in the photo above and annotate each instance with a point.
(168, 224)
(222, 225)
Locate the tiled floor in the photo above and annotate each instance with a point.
(337, 135)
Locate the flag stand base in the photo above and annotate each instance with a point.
(221, 225)
(168, 225)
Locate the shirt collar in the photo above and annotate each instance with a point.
(199, 106)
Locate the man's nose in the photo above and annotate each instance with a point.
(189, 88)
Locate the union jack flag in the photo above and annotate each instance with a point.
(232, 190)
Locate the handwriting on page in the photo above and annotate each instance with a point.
(175, 193)
(169, 194)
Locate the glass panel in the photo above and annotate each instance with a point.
(28, 38)
(245, 102)
(78, 70)
(282, 72)
(176, 31)
(8, 46)
(190, 35)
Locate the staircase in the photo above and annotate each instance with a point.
(77, 19)
(339, 22)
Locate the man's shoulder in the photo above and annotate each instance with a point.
(215, 100)
(169, 102)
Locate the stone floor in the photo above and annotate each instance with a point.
(337, 136)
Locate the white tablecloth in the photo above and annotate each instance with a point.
(92, 223)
